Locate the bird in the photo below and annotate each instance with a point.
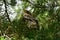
(32, 22)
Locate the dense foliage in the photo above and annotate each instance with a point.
(13, 26)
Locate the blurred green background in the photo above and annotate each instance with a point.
(14, 27)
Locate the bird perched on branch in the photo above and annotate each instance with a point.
(32, 22)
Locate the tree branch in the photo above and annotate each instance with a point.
(40, 6)
(37, 5)
(6, 10)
